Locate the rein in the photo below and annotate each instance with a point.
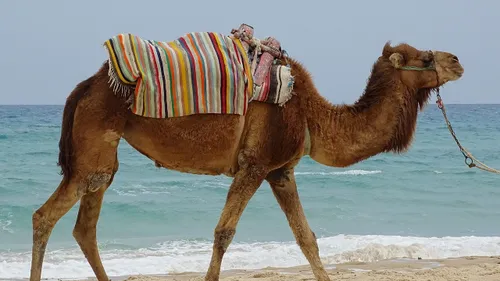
(470, 160)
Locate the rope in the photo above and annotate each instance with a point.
(470, 160)
(256, 43)
(409, 67)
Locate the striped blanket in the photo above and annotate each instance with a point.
(200, 72)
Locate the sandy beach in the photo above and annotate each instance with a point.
(465, 268)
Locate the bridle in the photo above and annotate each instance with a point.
(470, 160)
(432, 67)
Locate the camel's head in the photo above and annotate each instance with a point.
(423, 69)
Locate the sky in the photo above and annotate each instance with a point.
(47, 47)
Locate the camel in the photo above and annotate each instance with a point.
(265, 144)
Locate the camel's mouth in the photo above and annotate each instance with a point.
(456, 73)
(457, 70)
(448, 66)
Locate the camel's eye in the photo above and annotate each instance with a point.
(455, 59)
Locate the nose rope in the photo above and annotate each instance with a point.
(470, 160)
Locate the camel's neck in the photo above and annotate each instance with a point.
(344, 135)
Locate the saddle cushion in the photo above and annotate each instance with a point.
(277, 87)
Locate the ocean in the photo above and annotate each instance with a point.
(425, 203)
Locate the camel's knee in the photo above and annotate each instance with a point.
(78, 233)
(223, 238)
(41, 224)
(37, 219)
(82, 232)
(97, 180)
(84, 229)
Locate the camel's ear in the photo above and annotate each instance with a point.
(387, 50)
(427, 56)
(397, 60)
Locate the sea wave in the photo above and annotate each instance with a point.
(348, 172)
(184, 256)
(5, 225)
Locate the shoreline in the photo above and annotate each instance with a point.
(183, 258)
(471, 268)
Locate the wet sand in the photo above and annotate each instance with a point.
(465, 268)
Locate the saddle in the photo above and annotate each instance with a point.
(198, 73)
(262, 55)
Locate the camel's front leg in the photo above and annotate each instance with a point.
(283, 184)
(244, 186)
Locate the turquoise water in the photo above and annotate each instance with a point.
(424, 203)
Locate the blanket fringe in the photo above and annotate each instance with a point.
(119, 88)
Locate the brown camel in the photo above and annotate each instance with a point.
(265, 144)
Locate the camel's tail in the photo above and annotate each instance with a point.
(66, 140)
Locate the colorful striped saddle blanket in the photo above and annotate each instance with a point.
(200, 72)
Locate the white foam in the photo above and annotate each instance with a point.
(182, 256)
(5, 223)
(4, 226)
(136, 189)
(348, 172)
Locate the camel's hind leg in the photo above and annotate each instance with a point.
(86, 228)
(284, 187)
(90, 187)
(45, 218)
(93, 122)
